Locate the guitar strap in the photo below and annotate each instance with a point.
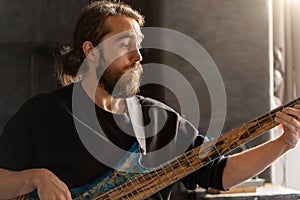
(136, 116)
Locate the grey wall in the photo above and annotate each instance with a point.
(236, 34)
(30, 35)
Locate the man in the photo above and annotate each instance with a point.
(43, 146)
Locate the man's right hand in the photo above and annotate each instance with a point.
(19, 183)
(49, 186)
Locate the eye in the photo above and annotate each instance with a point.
(124, 45)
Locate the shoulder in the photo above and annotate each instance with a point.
(48, 100)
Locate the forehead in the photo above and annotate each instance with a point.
(121, 26)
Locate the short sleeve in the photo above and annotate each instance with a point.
(16, 144)
(207, 176)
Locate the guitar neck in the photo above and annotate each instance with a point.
(149, 183)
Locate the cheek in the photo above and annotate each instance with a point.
(107, 55)
(114, 70)
(120, 63)
(114, 56)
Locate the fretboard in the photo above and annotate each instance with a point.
(143, 186)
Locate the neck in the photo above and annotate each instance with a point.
(102, 98)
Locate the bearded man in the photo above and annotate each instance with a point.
(82, 140)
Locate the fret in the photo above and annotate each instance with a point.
(234, 133)
(152, 191)
(153, 181)
(219, 142)
(271, 116)
(159, 177)
(173, 169)
(128, 189)
(109, 196)
(274, 113)
(212, 150)
(196, 155)
(136, 179)
(122, 189)
(219, 154)
(205, 156)
(180, 165)
(225, 142)
(188, 161)
(257, 122)
(133, 185)
(166, 173)
(102, 196)
(193, 159)
(245, 127)
(253, 127)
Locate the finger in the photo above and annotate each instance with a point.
(294, 112)
(297, 106)
(286, 115)
(287, 120)
(69, 196)
(287, 125)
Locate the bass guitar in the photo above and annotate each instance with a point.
(141, 186)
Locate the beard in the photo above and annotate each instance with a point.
(122, 83)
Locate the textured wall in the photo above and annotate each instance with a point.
(38, 21)
(31, 31)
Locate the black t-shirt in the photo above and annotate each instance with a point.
(42, 134)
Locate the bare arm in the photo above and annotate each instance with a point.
(18, 183)
(247, 164)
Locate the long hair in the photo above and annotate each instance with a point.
(90, 27)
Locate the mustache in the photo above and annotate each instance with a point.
(135, 66)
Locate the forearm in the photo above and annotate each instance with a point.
(244, 165)
(16, 183)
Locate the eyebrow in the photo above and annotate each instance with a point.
(131, 36)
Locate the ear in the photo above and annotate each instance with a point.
(87, 48)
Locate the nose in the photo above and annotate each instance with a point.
(136, 55)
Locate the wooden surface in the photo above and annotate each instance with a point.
(262, 193)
